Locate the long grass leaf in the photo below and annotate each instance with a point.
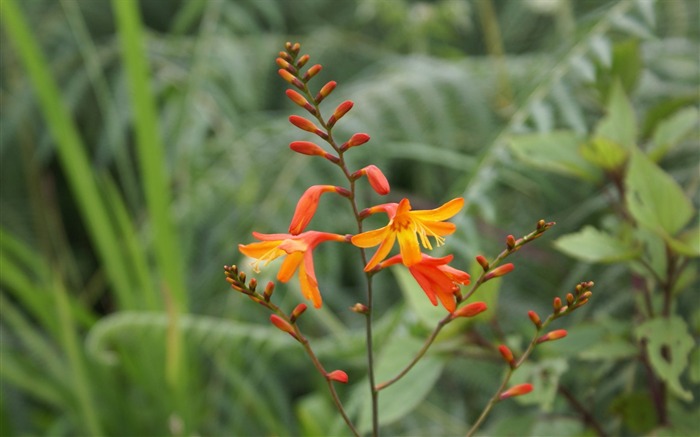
(71, 150)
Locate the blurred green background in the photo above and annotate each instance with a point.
(141, 141)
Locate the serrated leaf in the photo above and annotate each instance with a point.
(592, 245)
(604, 153)
(555, 151)
(668, 344)
(654, 199)
(619, 124)
(401, 398)
(671, 131)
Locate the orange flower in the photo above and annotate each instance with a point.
(298, 250)
(435, 277)
(404, 224)
(306, 207)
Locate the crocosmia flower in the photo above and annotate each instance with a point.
(298, 251)
(403, 225)
(437, 279)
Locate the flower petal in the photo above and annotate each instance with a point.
(444, 212)
(309, 286)
(410, 250)
(382, 252)
(370, 238)
(261, 249)
(289, 266)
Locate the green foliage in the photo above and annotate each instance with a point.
(140, 143)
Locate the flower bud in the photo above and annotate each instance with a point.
(307, 205)
(298, 311)
(482, 262)
(341, 110)
(300, 100)
(535, 319)
(469, 310)
(356, 140)
(303, 123)
(556, 304)
(338, 375)
(499, 271)
(307, 148)
(282, 63)
(554, 335)
(311, 72)
(325, 91)
(302, 61)
(289, 77)
(252, 284)
(507, 355)
(569, 298)
(269, 289)
(516, 390)
(510, 242)
(376, 178)
(282, 325)
(359, 308)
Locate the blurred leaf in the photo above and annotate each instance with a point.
(402, 397)
(557, 426)
(654, 199)
(610, 349)
(687, 243)
(671, 131)
(316, 414)
(604, 153)
(555, 151)
(637, 411)
(619, 124)
(694, 366)
(592, 245)
(668, 345)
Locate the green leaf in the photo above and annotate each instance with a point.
(604, 153)
(637, 411)
(556, 152)
(592, 245)
(694, 368)
(654, 199)
(686, 243)
(668, 344)
(671, 131)
(400, 398)
(619, 125)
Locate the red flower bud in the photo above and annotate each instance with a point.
(298, 311)
(289, 77)
(376, 179)
(341, 110)
(507, 355)
(469, 310)
(569, 298)
(554, 335)
(269, 289)
(302, 61)
(282, 325)
(307, 148)
(556, 304)
(482, 262)
(510, 242)
(311, 72)
(356, 140)
(338, 375)
(534, 318)
(325, 91)
(517, 390)
(285, 65)
(298, 99)
(499, 271)
(303, 123)
(359, 308)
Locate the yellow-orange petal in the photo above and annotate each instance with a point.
(382, 251)
(309, 286)
(444, 212)
(410, 250)
(289, 266)
(261, 250)
(370, 238)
